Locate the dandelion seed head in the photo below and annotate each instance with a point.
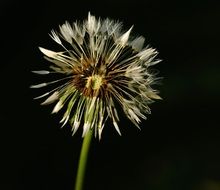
(100, 65)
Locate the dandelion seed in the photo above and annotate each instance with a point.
(101, 66)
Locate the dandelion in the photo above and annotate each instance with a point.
(100, 69)
(100, 66)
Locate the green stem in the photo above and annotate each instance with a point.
(82, 161)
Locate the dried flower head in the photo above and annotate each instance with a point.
(100, 66)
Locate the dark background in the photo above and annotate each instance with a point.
(178, 147)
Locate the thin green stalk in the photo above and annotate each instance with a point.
(83, 160)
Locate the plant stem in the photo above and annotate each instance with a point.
(83, 160)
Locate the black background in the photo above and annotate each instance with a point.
(178, 146)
